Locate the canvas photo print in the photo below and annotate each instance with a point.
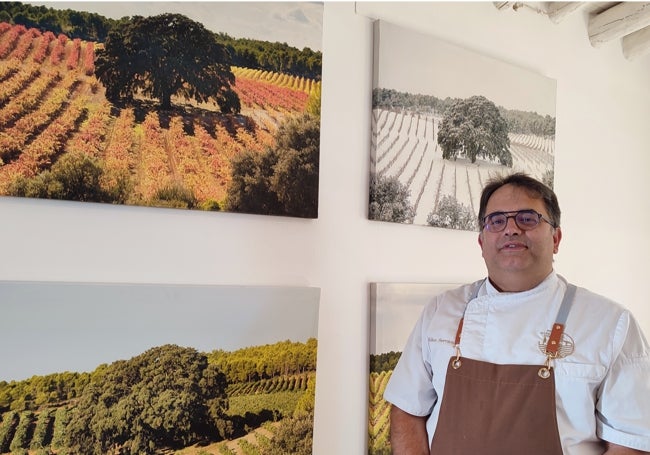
(157, 369)
(195, 105)
(444, 121)
(394, 310)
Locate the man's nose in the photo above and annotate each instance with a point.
(511, 226)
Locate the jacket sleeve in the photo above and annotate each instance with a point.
(410, 387)
(623, 408)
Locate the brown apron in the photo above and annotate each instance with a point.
(491, 409)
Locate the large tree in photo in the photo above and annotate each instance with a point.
(473, 127)
(165, 55)
(167, 397)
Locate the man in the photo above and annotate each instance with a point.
(521, 362)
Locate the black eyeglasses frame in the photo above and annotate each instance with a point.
(513, 214)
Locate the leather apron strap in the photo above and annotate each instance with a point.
(492, 409)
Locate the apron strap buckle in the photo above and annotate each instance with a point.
(545, 371)
(456, 363)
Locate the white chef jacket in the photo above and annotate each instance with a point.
(602, 388)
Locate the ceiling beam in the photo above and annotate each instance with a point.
(636, 44)
(628, 22)
(557, 11)
(502, 5)
(618, 21)
(599, 7)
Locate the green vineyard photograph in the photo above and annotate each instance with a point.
(394, 310)
(155, 369)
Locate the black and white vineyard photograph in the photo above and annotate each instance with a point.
(444, 121)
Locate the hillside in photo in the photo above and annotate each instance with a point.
(169, 399)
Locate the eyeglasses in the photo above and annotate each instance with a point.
(524, 219)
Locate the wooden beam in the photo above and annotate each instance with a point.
(503, 5)
(557, 11)
(618, 21)
(636, 44)
(599, 7)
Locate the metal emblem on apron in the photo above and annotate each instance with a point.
(565, 347)
(566, 344)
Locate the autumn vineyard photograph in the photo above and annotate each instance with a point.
(156, 111)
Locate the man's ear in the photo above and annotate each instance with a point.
(557, 237)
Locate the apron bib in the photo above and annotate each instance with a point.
(491, 409)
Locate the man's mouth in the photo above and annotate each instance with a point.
(513, 246)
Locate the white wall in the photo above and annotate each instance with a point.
(602, 179)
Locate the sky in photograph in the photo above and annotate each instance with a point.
(394, 310)
(413, 62)
(299, 24)
(55, 327)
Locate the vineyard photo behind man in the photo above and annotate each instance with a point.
(521, 362)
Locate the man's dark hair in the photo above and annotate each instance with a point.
(534, 188)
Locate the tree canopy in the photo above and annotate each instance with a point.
(280, 181)
(473, 127)
(392, 99)
(529, 122)
(76, 176)
(452, 214)
(278, 57)
(384, 362)
(165, 55)
(167, 396)
(268, 361)
(76, 24)
(389, 200)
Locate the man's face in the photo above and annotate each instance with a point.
(518, 260)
